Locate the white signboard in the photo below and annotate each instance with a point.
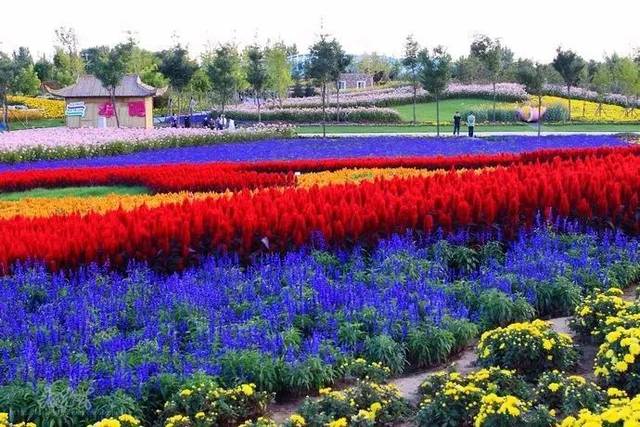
(75, 109)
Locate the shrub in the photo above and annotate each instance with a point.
(361, 369)
(452, 399)
(383, 349)
(590, 316)
(497, 309)
(54, 405)
(363, 404)
(618, 362)
(428, 345)
(557, 297)
(620, 412)
(529, 348)
(113, 405)
(506, 411)
(314, 115)
(568, 394)
(206, 402)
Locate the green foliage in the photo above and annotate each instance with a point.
(428, 345)
(556, 298)
(462, 330)
(529, 348)
(435, 70)
(113, 405)
(254, 367)
(52, 405)
(223, 72)
(361, 369)
(591, 315)
(385, 350)
(363, 404)
(568, 394)
(279, 72)
(315, 115)
(26, 82)
(497, 309)
(176, 65)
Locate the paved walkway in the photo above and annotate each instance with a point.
(447, 135)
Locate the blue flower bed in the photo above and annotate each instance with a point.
(118, 331)
(318, 148)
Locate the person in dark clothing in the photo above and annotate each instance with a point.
(456, 123)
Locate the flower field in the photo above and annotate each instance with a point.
(244, 273)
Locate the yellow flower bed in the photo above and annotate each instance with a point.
(345, 176)
(49, 108)
(44, 207)
(24, 115)
(621, 412)
(589, 111)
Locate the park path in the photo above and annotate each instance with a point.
(446, 135)
(464, 363)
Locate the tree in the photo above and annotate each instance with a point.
(601, 82)
(22, 58)
(279, 71)
(44, 69)
(322, 66)
(68, 64)
(223, 73)
(490, 53)
(435, 73)
(110, 66)
(375, 65)
(26, 81)
(570, 66)
(627, 73)
(341, 62)
(533, 79)
(7, 76)
(176, 65)
(256, 73)
(411, 63)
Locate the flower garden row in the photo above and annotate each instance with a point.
(602, 190)
(115, 344)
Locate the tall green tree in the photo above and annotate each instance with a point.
(223, 72)
(377, 66)
(601, 82)
(256, 73)
(7, 76)
(176, 65)
(110, 66)
(489, 51)
(435, 73)
(412, 63)
(320, 66)
(571, 67)
(68, 64)
(341, 62)
(44, 69)
(278, 71)
(26, 81)
(533, 78)
(627, 73)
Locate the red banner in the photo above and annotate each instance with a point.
(106, 110)
(137, 109)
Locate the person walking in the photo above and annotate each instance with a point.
(471, 123)
(456, 123)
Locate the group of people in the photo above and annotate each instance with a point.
(220, 123)
(457, 120)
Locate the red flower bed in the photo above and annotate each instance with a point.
(605, 189)
(163, 178)
(239, 176)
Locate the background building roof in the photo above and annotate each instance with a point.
(88, 86)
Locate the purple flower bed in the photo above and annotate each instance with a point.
(119, 331)
(318, 148)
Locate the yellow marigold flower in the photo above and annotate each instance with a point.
(186, 393)
(297, 420)
(340, 422)
(554, 387)
(247, 389)
(547, 344)
(200, 415)
(621, 366)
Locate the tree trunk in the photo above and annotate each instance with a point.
(259, 112)
(494, 101)
(415, 95)
(437, 115)
(115, 107)
(539, 115)
(569, 97)
(5, 111)
(337, 102)
(324, 110)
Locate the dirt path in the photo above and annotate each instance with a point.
(464, 363)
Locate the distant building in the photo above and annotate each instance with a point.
(355, 81)
(88, 103)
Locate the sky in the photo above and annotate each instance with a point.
(532, 29)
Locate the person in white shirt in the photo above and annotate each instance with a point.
(231, 124)
(471, 123)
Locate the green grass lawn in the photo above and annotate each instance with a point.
(44, 123)
(426, 112)
(55, 193)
